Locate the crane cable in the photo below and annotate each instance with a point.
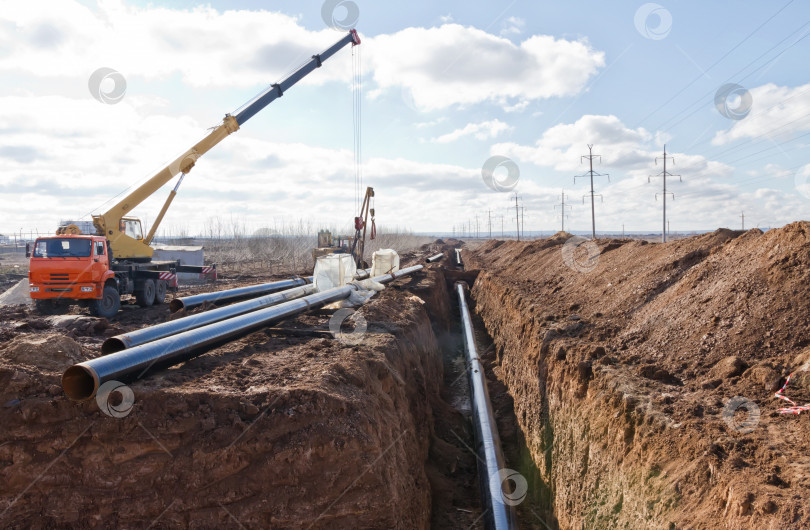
(357, 92)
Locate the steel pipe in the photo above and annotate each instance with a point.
(437, 257)
(173, 327)
(499, 515)
(458, 257)
(81, 381)
(230, 295)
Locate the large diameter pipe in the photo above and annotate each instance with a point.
(437, 257)
(499, 515)
(458, 257)
(172, 327)
(81, 381)
(230, 295)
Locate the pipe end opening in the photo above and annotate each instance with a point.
(176, 305)
(112, 345)
(79, 383)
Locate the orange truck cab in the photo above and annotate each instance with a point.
(73, 267)
(66, 269)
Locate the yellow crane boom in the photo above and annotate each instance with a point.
(125, 234)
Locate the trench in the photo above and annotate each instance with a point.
(456, 492)
(283, 427)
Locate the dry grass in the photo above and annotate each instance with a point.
(284, 248)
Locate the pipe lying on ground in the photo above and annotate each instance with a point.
(437, 257)
(458, 257)
(81, 381)
(230, 295)
(487, 442)
(172, 327)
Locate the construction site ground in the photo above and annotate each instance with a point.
(634, 390)
(286, 427)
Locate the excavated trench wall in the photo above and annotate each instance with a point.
(291, 434)
(620, 375)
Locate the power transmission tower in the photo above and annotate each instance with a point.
(522, 222)
(476, 226)
(489, 216)
(590, 156)
(502, 233)
(517, 215)
(562, 206)
(742, 215)
(664, 176)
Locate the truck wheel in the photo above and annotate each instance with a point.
(108, 305)
(145, 296)
(160, 292)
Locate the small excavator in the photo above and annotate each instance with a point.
(97, 269)
(356, 246)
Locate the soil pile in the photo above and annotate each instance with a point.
(643, 374)
(285, 428)
(51, 352)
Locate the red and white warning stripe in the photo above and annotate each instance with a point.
(795, 409)
(209, 273)
(171, 278)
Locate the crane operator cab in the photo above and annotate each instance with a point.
(131, 227)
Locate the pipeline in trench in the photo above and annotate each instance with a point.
(510, 489)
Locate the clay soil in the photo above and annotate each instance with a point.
(644, 380)
(285, 427)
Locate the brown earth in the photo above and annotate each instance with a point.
(284, 428)
(624, 370)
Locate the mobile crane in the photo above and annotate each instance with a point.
(96, 269)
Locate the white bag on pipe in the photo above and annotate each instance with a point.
(333, 270)
(384, 261)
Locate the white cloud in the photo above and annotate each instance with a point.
(520, 106)
(62, 38)
(457, 65)
(431, 123)
(481, 131)
(513, 26)
(561, 146)
(771, 171)
(777, 113)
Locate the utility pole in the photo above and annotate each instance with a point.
(590, 156)
(517, 216)
(489, 216)
(476, 226)
(522, 221)
(502, 233)
(664, 176)
(743, 220)
(562, 206)
(622, 230)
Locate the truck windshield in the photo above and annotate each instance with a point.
(62, 248)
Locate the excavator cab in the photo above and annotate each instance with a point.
(131, 227)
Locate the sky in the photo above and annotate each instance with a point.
(462, 106)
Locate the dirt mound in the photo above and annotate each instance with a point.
(52, 352)
(651, 361)
(16, 294)
(283, 428)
